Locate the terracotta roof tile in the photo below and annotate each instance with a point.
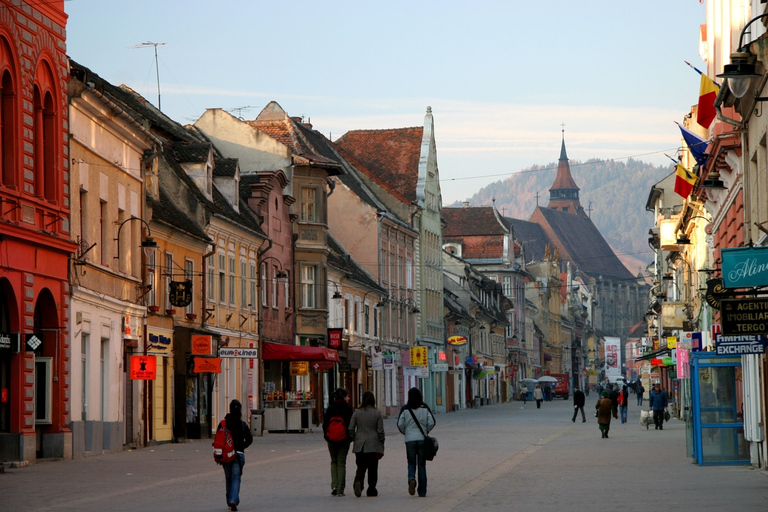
(389, 157)
(472, 220)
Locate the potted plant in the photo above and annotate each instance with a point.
(170, 311)
(154, 309)
(191, 316)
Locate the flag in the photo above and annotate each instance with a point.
(696, 145)
(684, 181)
(707, 93)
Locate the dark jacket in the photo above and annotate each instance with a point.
(337, 408)
(614, 396)
(240, 432)
(658, 401)
(578, 398)
(605, 409)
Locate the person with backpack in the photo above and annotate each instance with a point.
(415, 410)
(623, 403)
(237, 430)
(639, 389)
(366, 428)
(335, 432)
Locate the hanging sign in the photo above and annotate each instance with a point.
(207, 365)
(744, 316)
(202, 345)
(334, 338)
(744, 267)
(143, 367)
(242, 353)
(299, 368)
(716, 292)
(180, 293)
(9, 343)
(418, 356)
(457, 340)
(32, 343)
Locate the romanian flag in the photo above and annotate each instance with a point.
(707, 93)
(684, 181)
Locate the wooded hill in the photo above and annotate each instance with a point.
(612, 193)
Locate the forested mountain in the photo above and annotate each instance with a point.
(612, 193)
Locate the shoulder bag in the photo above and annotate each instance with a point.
(430, 443)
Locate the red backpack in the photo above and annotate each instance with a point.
(336, 430)
(621, 398)
(223, 445)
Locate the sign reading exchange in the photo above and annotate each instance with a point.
(745, 266)
(744, 316)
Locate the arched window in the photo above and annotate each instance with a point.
(8, 131)
(45, 140)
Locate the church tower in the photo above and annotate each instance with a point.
(564, 194)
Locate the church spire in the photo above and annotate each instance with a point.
(564, 193)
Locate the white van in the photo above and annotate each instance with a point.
(621, 381)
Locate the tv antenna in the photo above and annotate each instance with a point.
(157, 68)
(239, 110)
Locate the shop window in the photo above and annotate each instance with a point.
(43, 390)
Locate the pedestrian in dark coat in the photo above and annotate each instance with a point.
(605, 409)
(338, 450)
(366, 428)
(658, 404)
(242, 439)
(578, 404)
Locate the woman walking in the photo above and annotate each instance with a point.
(412, 412)
(366, 429)
(623, 403)
(538, 395)
(336, 433)
(605, 408)
(242, 439)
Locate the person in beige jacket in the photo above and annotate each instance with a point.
(366, 429)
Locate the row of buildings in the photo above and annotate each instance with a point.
(705, 337)
(152, 272)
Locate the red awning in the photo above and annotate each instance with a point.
(282, 352)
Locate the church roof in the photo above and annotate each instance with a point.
(579, 241)
(532, 237)
(563, 180)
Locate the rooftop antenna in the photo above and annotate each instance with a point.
(239, 110)
(157, 69)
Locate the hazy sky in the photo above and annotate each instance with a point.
(501, 76)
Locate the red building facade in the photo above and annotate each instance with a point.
(35, 241)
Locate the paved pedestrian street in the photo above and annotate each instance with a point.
(496, 458)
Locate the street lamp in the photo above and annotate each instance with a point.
(740, 72)
(148, 245)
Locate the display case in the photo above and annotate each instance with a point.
(297, 414)
(274, 415)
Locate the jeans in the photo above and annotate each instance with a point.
(576, 410)
(338, 453)
(623, 413)
(367, 462)
(414, 450)
(639, 399)
(233, 472)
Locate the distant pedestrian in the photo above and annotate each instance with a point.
(658, 404)
(336, 419)
(366, 428)
(623, 403)
(578, 404)
(412, 412)
(524, 393)
(547, 393)
(242, 439)
(538, 395)
(605, 409)
(639, 389)
(614, 395)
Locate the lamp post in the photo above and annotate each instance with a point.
(740, 72)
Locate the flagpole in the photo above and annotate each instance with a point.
(699, 71)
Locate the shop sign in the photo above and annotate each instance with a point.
(740, 344)
(299, 368)
(202, 345)
(322, 365)
(457, 340)
(334, 338)
(180, 293)
(242, 353)
(418, 356)
(159, 341)
(671, 341)
(143, 367)
(207, 365)
(389, 360)
(744, 316)
(345, 368)
(716, 292)
(682, 364)
(376, 360)
(489, 370)
(439, 367)
(32, 343)
(694, 339)
(743, 267)
(9, 343)
(416, 371)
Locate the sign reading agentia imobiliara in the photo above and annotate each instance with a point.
(744, 267)
(744, 316)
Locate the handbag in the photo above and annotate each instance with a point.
(666, 415)
(430, 443)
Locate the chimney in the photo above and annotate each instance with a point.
(466, 204)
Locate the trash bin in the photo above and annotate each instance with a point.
(478, 401)
(257, 422)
